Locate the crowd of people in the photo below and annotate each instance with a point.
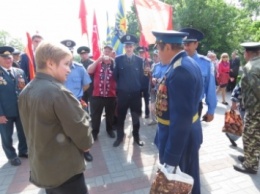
(58, 113)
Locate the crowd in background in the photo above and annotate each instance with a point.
(113, 84)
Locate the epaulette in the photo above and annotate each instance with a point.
(204, 58)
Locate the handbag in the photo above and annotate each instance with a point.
(233, 123)
(176, 182)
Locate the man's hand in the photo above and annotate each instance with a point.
(3, 120)
(208, 117)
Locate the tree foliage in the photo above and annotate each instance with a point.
(224, 26)
(7, 40)
(252, 6)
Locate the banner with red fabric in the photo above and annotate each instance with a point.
(143, 43)
(153, 15)
(29, 52)
(95, 39)
(82, 17)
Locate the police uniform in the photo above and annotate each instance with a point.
(76, 80)
(250, 91)
(12, 81)
(87, 94)
(128, 74)
(179, 133)
(207, 70)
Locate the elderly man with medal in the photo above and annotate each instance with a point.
(12, 81)
(179, 133)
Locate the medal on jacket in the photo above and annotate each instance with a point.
(161, 103)
(21, 82)
(2, 80)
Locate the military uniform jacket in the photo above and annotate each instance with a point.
(178, 123)
(128, 74)
(250, 85)
(9, 91)
(209, 84)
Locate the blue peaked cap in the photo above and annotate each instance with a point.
(169, 36)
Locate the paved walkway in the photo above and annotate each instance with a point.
(129, 169)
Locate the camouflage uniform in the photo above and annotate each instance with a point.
(250, 86)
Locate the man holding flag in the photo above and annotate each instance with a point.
(26, 58)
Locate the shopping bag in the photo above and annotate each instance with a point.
(233, 123)
(175, 182)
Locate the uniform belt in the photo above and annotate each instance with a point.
(167, 122)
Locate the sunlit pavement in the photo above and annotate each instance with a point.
(130, 169)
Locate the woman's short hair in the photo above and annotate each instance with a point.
(50, 51)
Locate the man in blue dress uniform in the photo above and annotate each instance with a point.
(179, 133)
(12, 81)
(128, 73)
(77, 82)
(207, 68)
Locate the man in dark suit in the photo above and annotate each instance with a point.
(24, 62)
(128, 73)
(12, 81)
(234, 70)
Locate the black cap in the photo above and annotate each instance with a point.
(141, 49)
(128, 39)
(6, 51)
(83, 49)
(194, 35)
(68, 43)
(251, 46)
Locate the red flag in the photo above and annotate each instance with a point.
(29, 52)
(95, 39)
(144, 43)
(82, 16)
(153, 15)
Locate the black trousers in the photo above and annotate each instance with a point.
(232, 84)
(75, 185)
(97, 105)
(125, 101)
(146, 95)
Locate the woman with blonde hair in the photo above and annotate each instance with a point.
(223, 76)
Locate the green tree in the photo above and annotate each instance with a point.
(252, 6)
(224, 26)
(6, 39)
(133, 24)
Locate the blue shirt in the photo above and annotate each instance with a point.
(159, 70)
(209, 85)
(77, 79)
